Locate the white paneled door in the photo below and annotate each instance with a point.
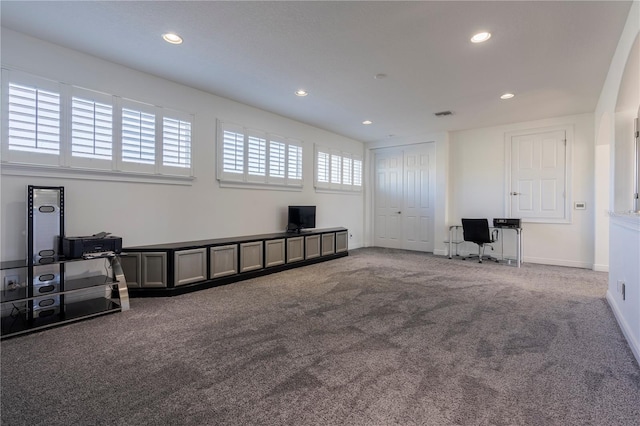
(404, 197)
(538, 175)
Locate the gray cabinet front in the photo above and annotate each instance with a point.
(250, 256)
(274, 250)
(295, 249)
(153, 269)
(190, 266)
(342, 244)
(312, 246)
(131, 266)
(328, 244)
(224, 261)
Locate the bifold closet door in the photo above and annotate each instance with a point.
(404, 197)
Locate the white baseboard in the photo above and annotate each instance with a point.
(624, 326)
(440, 252)
(557, 262)
(601, 268)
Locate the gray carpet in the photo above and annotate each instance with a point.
(381, 337)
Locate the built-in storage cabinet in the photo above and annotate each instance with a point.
(295, 249)
(175, 268)
(328, 244)
(342, 244)
(223, 260)
(274, 252)
(251, 256)
(312, 246)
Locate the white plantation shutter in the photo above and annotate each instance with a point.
(336, 163)
(91, 129)
(251, 157)
(277, 161)
(233, 152)
(33, 119)
(357, 174)
(176, 143)
(337, 171)
(323, 168)
(138, 137)
(256, 158)
(294, 165)
(347, 171)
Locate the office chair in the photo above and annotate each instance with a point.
(477, 231)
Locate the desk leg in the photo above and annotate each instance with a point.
(450, 240)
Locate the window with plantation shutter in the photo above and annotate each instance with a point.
(337, 171)
(249, 157)
(138, 137)
(33, 119)
(91, 129)
(47, 123)
(176, 143)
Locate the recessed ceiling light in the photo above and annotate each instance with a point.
(172, 38)
(367, 122)
(480, 37)
(507, 96)
(301, 92)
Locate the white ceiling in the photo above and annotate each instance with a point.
(553, 55)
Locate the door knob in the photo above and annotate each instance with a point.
(399, 212)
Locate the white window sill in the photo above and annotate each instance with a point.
(13, 169)
(261, 186)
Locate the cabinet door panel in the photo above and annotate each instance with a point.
(274, 252)
(224, 261)
(328, 244)
(190, 266)
(250, 256)
(312, 246)
(131, 265)
(154, 269)
(295, 249)
(342, 243)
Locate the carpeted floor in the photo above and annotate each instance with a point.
(381, 337)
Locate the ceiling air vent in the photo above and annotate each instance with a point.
(443, 113)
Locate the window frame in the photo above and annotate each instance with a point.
(244, 177)
(334, 181)
(65, 163)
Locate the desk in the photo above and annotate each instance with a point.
(453, 239)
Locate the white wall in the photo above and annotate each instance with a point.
(624, 227)
(478, 188)
(143, 213)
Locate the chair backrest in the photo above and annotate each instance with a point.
(476, 231)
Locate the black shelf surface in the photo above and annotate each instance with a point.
(14, 295)
(16, 325)
(70, 286)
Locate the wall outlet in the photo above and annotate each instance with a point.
(11, 282)
(350, 236)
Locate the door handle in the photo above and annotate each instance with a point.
(516, 193)
(399, 212)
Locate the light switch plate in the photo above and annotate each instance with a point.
(580, 205)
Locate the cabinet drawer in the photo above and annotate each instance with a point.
(328, 244)
(153, 269)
